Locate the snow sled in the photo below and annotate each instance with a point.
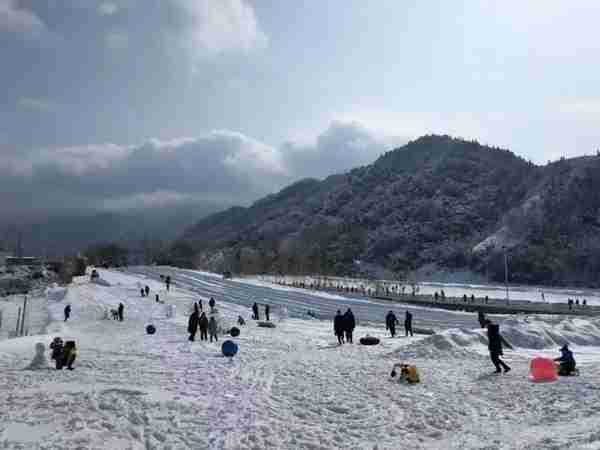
(150, 329)
(266, 324)
(542, 370)
(234, 332)
(229, 349)
(369, 340)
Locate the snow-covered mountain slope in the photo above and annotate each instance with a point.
(288, 387)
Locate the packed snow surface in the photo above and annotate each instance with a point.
(289, 386)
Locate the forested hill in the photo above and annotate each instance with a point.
(436, 201)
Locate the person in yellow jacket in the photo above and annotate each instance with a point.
(408, 373)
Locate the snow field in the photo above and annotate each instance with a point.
(288, 387)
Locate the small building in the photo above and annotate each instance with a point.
(3, 256)
(23, 261)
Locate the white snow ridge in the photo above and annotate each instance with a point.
(290, 386)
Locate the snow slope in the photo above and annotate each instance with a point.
(288, 387)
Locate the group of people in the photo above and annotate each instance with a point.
(566, 361)
(63, 354)
(199, 321)
(575, 302)
(344, 325)
(256, 315)
(145, 291)
(391, 321)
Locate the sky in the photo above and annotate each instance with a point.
(123, 104)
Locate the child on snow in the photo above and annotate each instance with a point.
(408, 373)
(566, 361)
(212, 329)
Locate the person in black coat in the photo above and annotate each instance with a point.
(390, 323)
(211, 303)
(120, 310)
(495, 346)
(67, 312)
(193, 323)
(349, 325)
(147, 290)
(338, 327)
(203, 324)
(168, 282)
(482, 319)
(142, 292)
(408, 324)
(255, 311)
(267, 311)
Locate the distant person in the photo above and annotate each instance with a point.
(255, 311)
(168, 282)
(193, 323)
(241, 322)
(338, 327)
(120, 310)
(157, 298)
(203, 325)
(570, 303)
(200, 304)
(408, 324)
(486, 300)
(566, 360)
(465, 298)
(390, 322)
(577, 302)
(436, 296)
(67, 312)
(584, 302)
(472, 298)
(482, 319)
(211, 303)
(495, 346)
(543, 297)
(212, 329)
(267, 311)
(142, 292)
(147, 290)
(349, 325)
(443, 295)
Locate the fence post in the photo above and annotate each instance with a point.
(18, 320)
(23, 316)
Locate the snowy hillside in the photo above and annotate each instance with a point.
(288, 387)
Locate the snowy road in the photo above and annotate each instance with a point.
(298, 301)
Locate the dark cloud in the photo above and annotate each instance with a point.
(343, 146)
(221, 167)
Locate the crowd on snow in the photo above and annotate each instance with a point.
(65, 354)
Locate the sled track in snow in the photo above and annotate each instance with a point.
(297, 303)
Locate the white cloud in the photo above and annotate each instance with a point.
(15, 19)
(116, 41)
(219, 26)
(107, 8)
(36, 104)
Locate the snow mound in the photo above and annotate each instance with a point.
(39, 361)
(531, 333)
(101, 282)
(56, 293)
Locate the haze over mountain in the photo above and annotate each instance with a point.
(437, 201)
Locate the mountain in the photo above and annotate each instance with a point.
(436, 202)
